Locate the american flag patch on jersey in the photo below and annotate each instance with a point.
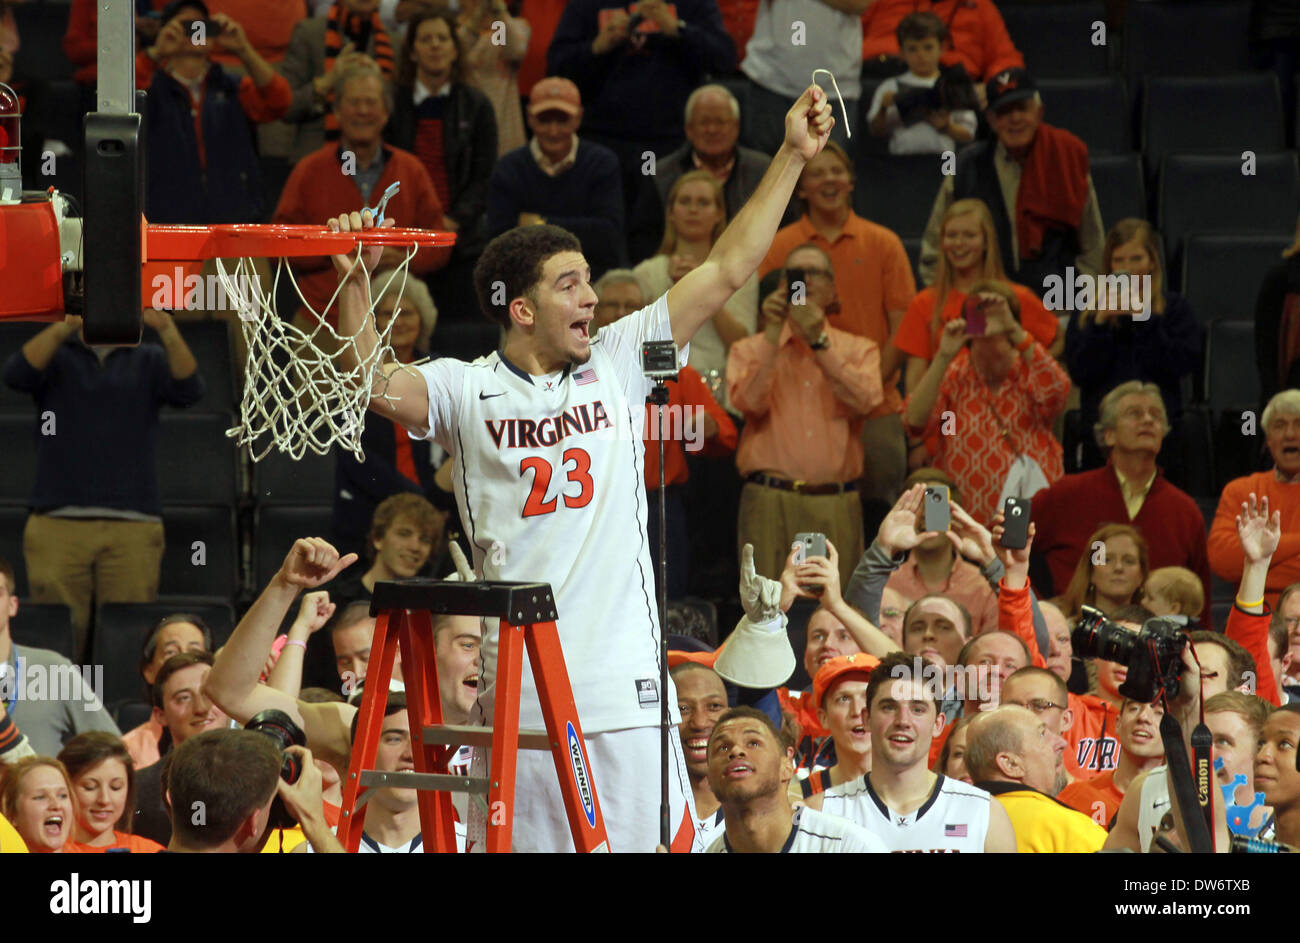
(954, 831)
(583, 377)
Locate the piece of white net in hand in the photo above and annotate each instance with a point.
(304, 390)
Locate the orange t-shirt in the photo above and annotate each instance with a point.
(1091, 745)
(133, 843)
(872, 277)
(1098, 798)
(916, 337)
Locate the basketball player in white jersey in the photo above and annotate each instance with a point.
(545, 437)
(750, 769)
(900, 801)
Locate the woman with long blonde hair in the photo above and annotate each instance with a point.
(969, 254)
(1155, 339)
(695, 216)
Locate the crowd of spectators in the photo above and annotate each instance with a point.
(828, 395)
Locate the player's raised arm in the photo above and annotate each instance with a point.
(738, 252)
(409, 403)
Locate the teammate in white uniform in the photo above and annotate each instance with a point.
(900, 801)
(545, 440)
(750, 768)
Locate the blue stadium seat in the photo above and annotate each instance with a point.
(897, 192)
(1225, 114)
(274, 531)
(1222, 272)
(278, 479)
(45, 625)
(1232, 388)
(190, 570)
(1094, 108)
(18, 433)
(196, 462)
(121, 629)
(1199, 37)
(1056, 39)
(1121, 192)
(1200, 193)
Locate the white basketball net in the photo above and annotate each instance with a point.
(297, 395)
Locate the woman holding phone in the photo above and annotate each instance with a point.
(990, 401)
(970, 254)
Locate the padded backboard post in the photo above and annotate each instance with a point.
(112, 186)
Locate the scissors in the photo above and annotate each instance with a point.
(378, 210)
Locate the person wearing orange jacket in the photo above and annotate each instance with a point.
(1092, 747)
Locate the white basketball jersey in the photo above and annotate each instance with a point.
(816, 833)
(954, 818)
(549, 479)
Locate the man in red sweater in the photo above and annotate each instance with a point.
(352, 174)
(1130, 489)
(1280, 486)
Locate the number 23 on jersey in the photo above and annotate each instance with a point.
(543, 470)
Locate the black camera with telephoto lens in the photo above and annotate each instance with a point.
(280, 727)
(1153, 656)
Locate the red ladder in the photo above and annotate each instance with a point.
(404, 616)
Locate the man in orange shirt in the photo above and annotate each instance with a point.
(692, 421)
(1141, 749)
(804, 388)
(874, 284)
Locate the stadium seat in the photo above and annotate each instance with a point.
(12, 522)
(897, 192)
(1195, 461)
(45, 625)
(1121, 192)
(209, 341)
(131, 714)
(1186, 38)
(1200, 193)
(13, 334)
(278, 479)
(1222, 272)
(1217, 612)
(1056, 39)
(1096, 109)
(189, 569)
(1232, 388)
(1226, 114)
(274, 531)
(465, 340)
(121, 629)
(18, 433)
(40, 55)
(196, 462)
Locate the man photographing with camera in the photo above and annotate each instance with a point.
(221, 785)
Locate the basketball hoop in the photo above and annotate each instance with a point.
(298, 395)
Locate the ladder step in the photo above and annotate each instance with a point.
(438, 782)
(456, 735)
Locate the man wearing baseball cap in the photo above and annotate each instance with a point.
(1054, 221)
(559, 179)
(840, 694)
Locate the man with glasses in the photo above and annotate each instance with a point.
(804, 388)
(1091, 748)
(1129, 489)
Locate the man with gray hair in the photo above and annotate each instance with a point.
(712, 130)
(1129, 489)
(1280, 486)
(1012, 754)
(1044, 170)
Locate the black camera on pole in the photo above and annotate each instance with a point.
(280, 727)
(1153, 657)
